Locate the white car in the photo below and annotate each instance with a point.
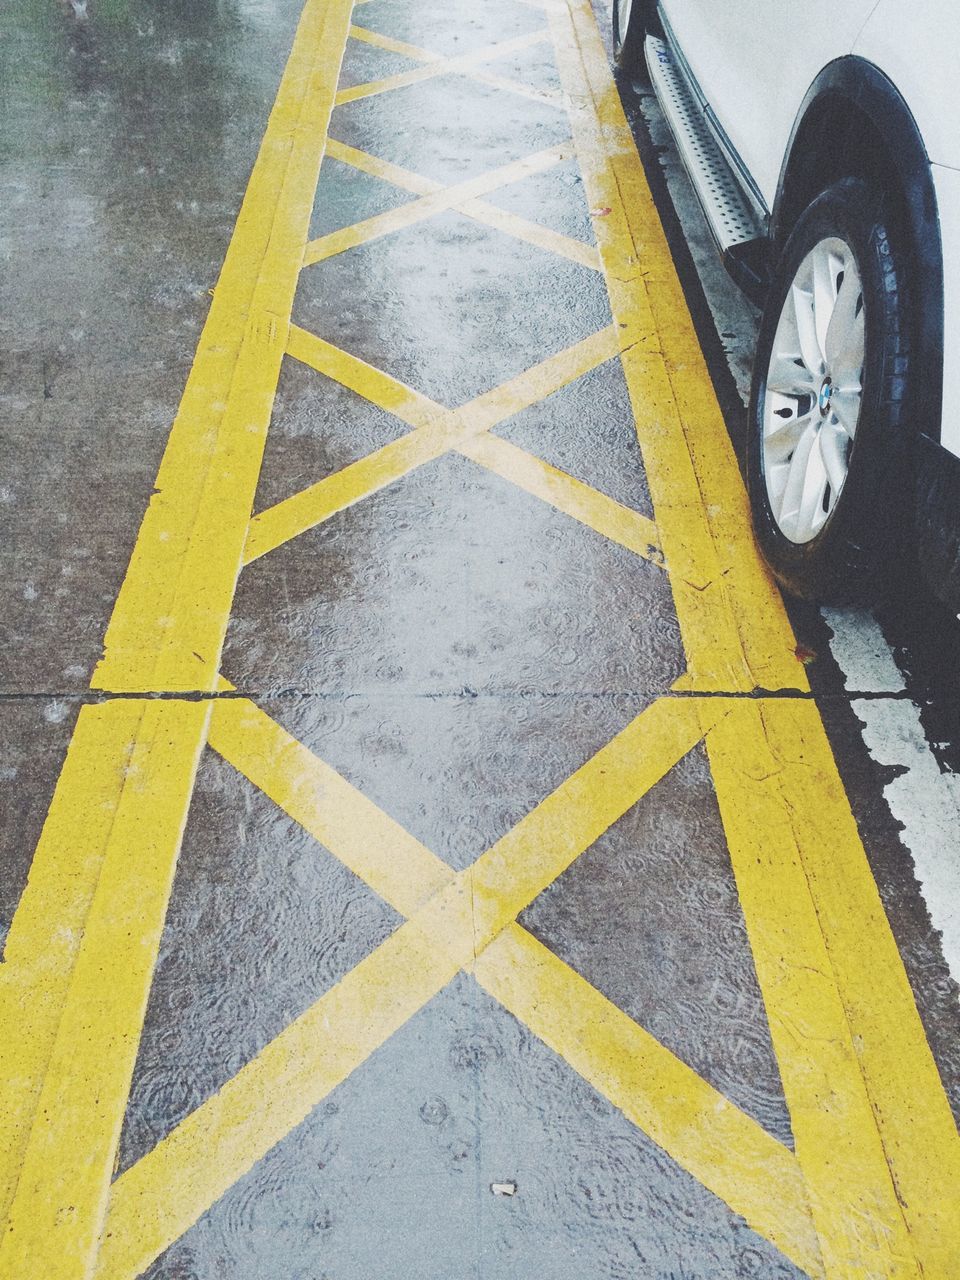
(822, 139)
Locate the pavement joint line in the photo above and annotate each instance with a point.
(95, 697)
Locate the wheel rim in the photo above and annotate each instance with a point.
(623, 10)
(814, 390)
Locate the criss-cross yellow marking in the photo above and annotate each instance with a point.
(872, 1188)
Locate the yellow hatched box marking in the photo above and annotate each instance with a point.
(873, 1187)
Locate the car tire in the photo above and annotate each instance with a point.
(827, 436)
(630, 24)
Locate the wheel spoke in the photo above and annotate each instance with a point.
(789, 375)
(845, 331)
(846, 410)
(827, 267)
(834, 445)
(783, 436)
(793, 485)
(801, 300)
(810, 513)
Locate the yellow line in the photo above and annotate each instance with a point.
(479, 210)
(566, 493)
(157, 1199)
(532, 232)
(386, 392)
(427, 206)
(724, 1149)
(463, 63)
(735, 630)
(540, 381)
(166, 633)
(374, 847)
(385, 169)
(874, 1133)
(54, 1220)
(512, 85)
(437, 430)
(416, 54)
(388, 43)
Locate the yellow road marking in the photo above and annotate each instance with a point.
(874, 1133)
(156, 1200)
(153, 1203)
(464, 197)
(166, 633)
(436, 430)
(594, 509)
(416, 54)
(379, 168)
(463, 62)
(876, 1147)
(388, 43)
(725, 1150)
(736, 635)
(54, 1221)
(533, 232)
(373, 846)
(735, 631)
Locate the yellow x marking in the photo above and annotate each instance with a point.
(484, 75)
(464, 197)
(469, 63)
(454, 922)
(872, 1188)
(438, 431)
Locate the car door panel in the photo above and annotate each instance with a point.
(754, 61)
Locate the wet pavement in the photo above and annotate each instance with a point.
(423, 851)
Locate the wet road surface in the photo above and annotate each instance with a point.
(423, 853)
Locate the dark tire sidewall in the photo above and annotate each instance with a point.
(628, 46)
(840, 563)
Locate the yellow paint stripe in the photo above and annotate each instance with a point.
(462, 63)
(166, 632)
(379, 41)
(176, 596)
(379, 168)
(521, 87)
(374, 847)
(480, 210)
(532, 232)
(383, 390)
(157, 1199)
(54, 1219)
(571, 496)
(416, 54)
(724, 1149)
(735, 630)
(429, 205)
(507, 878)
(41, 946)
(874, 1131)
(438, 430)
(540, 381)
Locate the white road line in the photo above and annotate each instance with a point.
(924, 799)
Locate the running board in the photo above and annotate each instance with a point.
(729, 216)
